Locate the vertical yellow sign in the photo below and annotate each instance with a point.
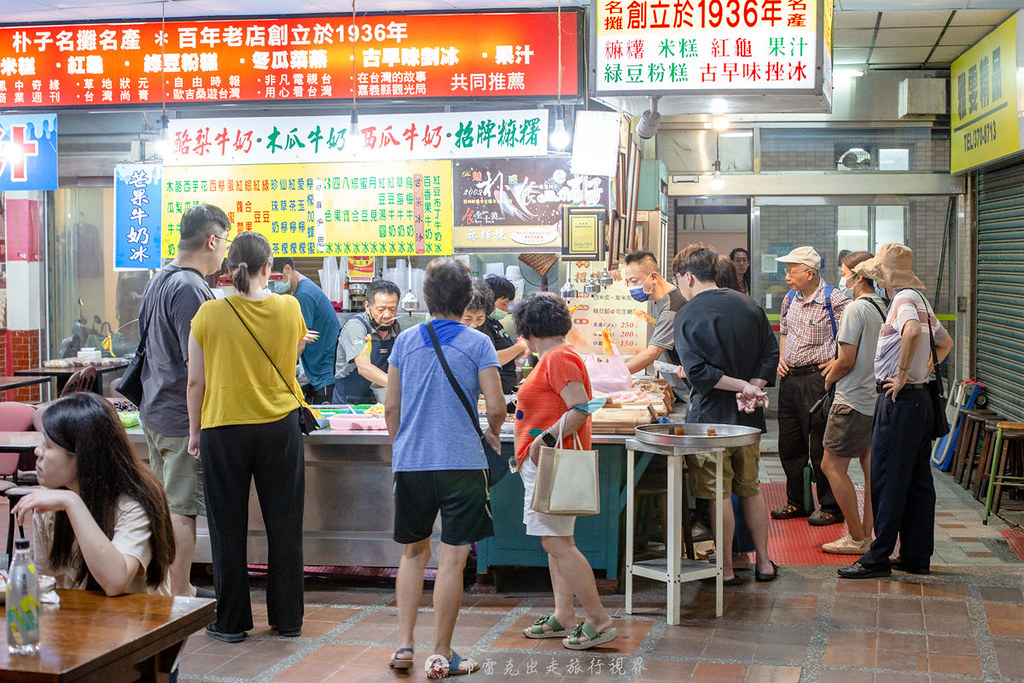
(983, 106)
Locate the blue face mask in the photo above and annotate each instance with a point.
(279, 286)
(639, 293)
(847, 292)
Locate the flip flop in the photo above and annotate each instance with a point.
(400, 664)
(554, 630)
(594, 639)
(439, 667)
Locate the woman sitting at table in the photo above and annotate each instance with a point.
(102, 521)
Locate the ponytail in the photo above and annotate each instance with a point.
(249, 252)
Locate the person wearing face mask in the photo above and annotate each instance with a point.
(503, 293)
(848, 430)
(641, 275)
(357, 369)
(318, 312)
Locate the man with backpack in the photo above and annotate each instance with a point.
(809, 321)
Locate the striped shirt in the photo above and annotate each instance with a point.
(808, 330)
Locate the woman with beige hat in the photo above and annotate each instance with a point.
(902, 491)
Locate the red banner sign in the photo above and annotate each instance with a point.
(409, 56)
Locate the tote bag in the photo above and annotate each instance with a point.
(567, 481)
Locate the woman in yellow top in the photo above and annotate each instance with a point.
(244, 425)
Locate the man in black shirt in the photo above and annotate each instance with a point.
(729, 354)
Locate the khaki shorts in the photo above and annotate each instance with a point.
(739, 473)
(178, 471)
(848, 432)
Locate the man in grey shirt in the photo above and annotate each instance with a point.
(640, 273)
(170, 302)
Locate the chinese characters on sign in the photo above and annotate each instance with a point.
(516, 203)
(612, 307)
(385, 209)
(28, 152)
(716, 45)
(137, 204)
(985, 122)
(398, 137)
(397, 56)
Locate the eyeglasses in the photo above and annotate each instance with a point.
(227, 240)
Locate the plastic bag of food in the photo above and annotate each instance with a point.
(608, 373)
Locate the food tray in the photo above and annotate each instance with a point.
(726, 436)
(357, 423)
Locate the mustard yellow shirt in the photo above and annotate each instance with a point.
(241, 385)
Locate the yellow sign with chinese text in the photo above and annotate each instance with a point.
(983, 84)
(361, 209)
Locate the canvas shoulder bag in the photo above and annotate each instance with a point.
(567, 480)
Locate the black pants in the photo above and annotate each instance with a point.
(317, 397)
(233, 456)
(800, 437)
(902, 490)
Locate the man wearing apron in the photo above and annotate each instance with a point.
(357, 368)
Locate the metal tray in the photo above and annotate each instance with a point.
(726, 436)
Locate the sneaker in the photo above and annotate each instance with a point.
(847, 546)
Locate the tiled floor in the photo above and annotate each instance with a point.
(964, 622)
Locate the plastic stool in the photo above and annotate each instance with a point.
(1007, 434)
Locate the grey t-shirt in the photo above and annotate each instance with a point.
(859, 326)
(170, 302)
(664, 313)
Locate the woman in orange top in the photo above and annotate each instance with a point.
(546, 399)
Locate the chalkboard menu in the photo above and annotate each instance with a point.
(515, 204)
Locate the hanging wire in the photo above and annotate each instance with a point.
(353, 58)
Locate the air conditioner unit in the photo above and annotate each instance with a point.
(923, 98)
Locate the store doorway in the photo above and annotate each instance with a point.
(719, 222)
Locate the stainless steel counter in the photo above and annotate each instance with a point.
(349, 512)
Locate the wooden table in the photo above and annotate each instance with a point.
(21, 381)
(91, 637)
(62, 375)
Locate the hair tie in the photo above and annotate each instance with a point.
(243, 264)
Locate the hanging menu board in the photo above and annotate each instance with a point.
(612, 307)
(516, 203)
(400, 209)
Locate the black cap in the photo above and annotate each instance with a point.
(21, 544)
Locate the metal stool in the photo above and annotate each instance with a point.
(1008, 434)
(971, 422)
(985, 458)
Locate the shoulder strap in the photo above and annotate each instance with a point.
(789, 301)
(451, 378)
(931, 335)
(877, 307)
(272, 364)
(828, 307)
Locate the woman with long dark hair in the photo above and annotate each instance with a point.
(740, 258)
(102, 521)
(243, 418)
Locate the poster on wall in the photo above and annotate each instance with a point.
(28, 151)
(611, 308)
(364, 209)
(137, 205)
(515, 204)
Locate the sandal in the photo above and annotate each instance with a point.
(553, 630)
(439, 667)
(593, 638)
(399, 662)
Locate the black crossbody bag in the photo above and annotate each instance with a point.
(307, 420)
(497, 467)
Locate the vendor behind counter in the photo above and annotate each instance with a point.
(358, 369)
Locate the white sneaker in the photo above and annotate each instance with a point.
(847, 546)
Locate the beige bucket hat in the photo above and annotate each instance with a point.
(891, 267)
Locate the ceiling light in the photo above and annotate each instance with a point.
(162, 145)
(649, 121)
(559, 136)
(354, 138)
(720, 123)
(717, 184)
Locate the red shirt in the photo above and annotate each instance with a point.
(540, 405)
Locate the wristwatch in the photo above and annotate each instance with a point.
(549, 439)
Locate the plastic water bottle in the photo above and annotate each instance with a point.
(22, 602)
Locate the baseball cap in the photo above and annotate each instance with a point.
(805, 256)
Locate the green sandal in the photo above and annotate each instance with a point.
(554, 630)
(593, 638)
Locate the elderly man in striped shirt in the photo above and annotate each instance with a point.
(809, 321)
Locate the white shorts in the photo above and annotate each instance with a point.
(538, 523)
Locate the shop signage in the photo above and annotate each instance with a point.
(516, 204)
(985, 121)
(28, 152)
(679, 46)
(137, 205)
(384, 209)
(612, 307)
(396, 57)
(399, 136)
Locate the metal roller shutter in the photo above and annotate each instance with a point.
(1000, 289)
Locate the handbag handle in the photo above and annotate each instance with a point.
(451, 379)
(272, 363)
(576, 434)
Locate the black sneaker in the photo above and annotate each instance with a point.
(224, 636)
